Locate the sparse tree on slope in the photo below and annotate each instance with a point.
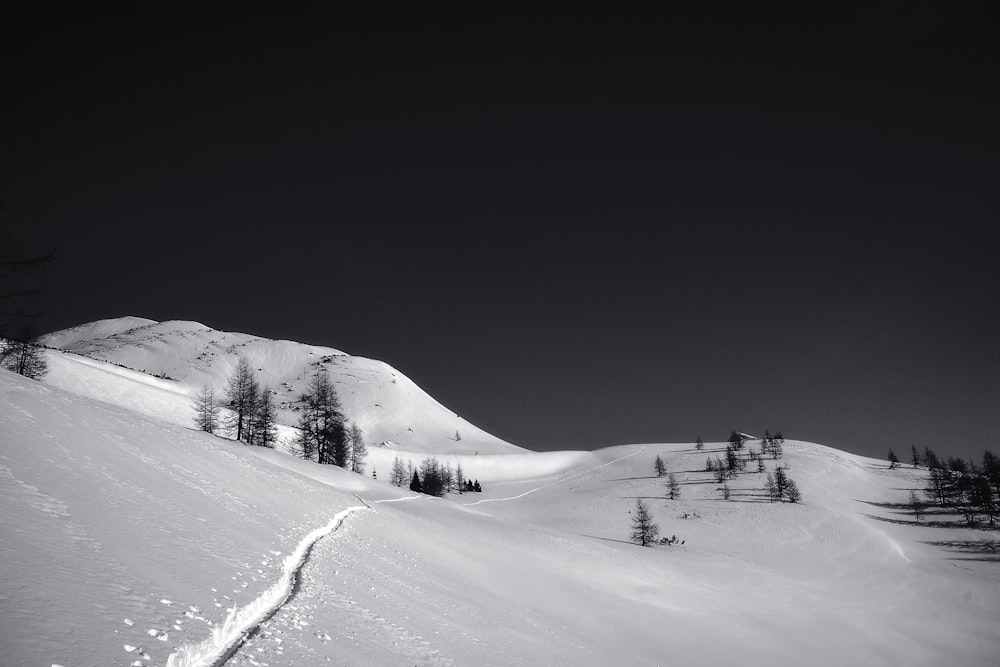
(459, 478)
(206, 412)
(792, 491)
(321, 423)
(25, 357)
(893, 460)
(397, 475)
(673, 487)
(916, 505)
(915, 455)
(699, 444)
(659, 466)
(357, 450)
(780, 482)
(644, 530)
(772, 488)
(242, 391)
(264, 422)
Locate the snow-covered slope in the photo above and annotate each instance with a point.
(126, 537)
(170, 361)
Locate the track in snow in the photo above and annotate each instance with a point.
(241, 623)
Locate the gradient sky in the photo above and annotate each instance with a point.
(574, 230)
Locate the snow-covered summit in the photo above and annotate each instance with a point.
(157, 367)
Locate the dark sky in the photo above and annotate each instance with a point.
(576, 230)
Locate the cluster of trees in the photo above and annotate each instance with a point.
(673, 486)
(432, 477)
(23, 356)
(252, 416)
(324, 435)
(737, 456)
(963, 486)
(780, 487)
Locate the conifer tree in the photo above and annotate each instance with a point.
(659, 466)
(893, 460)
(415, 483)
(206, 412)
(915, 455)
(673, 487)
(780, 482)
(321, 423)
(397, 474)
(699, 444)
(916, 505)
(644, 529)
(459, 478)
(771, 487)
(264, 421)
(356, 449)
(792, 491)
(242, 391)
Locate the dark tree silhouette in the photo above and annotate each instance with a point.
(264, 421)
(24, 356)
(893, 460)
(659, 466)
(415, 483)
(673, 487)
(321, 423)
(644, 530)
(242, 391)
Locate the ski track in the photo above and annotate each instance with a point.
(242, 622)
(558, 481)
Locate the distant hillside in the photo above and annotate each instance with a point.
(170, 361)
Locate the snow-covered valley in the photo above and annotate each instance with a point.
(129, 538)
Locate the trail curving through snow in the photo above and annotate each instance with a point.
(225, 639)
(558, 481)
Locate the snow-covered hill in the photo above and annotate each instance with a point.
(126, 537)
(170, 361)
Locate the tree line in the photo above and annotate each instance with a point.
(957, 485)
(324, 434)
(432, 477)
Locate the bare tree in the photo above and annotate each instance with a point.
(206, 412)
(357, 450)
(264, 421)
(242, 391)
(321, 424)
(24, 356)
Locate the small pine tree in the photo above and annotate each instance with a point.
(415, 483)
(893, 460)
(397, 474)
(458, 436)
(780, 482)
(356, 449)
(460, 478)
(659, 466)
(792, 491)
(771, 487)
(699, 444)
(725, 492)
(644, 530)
(916, 505)
(206, 412)
(915, 455)
(673, 487)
